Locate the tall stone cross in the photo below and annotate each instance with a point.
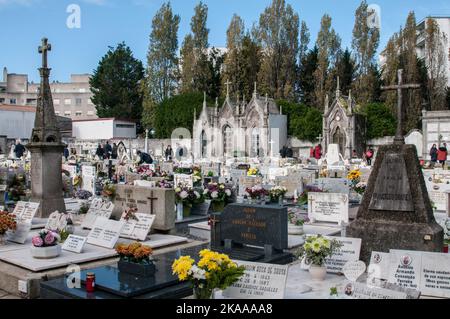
(399, 138)
(43, 49)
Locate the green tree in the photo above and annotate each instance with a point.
(345, 69)
(380, 121)
(116, 84)
(250, 64)
(177, 112)
(304, 122)
(162, 61)
(278, 33)
(233, 60)
(187, 64)
(215, 64)
(328, 44)
(202, 71)
(365, 43)
(308, 66)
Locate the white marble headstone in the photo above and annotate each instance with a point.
(105, 232)
(328, 207)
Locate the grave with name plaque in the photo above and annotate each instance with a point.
(396, 211)
(252, 233)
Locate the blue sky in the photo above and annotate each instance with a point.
(107, 22)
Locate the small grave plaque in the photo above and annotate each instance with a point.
(74, 244)
(328, 207)
(260, 281)
(105, 232)
(137, 229)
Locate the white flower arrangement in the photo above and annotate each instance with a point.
(184, 194)
(214, 195)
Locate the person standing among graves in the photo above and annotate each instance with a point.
(369, 156)
(434, 154)
(108, 150)
(100, 151)
(66, 153)
(442, 154)
(289, 153)
(114, 153)
(311, 152)
(19, 149)
(168, 153)
(145, 158)
(318, 152)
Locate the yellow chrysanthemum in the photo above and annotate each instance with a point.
(182, 266)
(316, 246)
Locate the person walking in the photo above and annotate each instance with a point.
(108, 150)
(369, 156)
(318, 152)
(434, 155)
(169, 153)
(100, 152)
(442, 154)
(114, 153)
(19, 149)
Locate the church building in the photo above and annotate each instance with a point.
(239, 128)
(343, 125)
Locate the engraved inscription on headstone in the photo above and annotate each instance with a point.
(392, 192)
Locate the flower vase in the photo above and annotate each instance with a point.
(280, 200)
(180, 211)
(3, 239)
(318, 273)
(186, 211)
(218, 207)
(295, 230)
(203, 293)
(48, 252)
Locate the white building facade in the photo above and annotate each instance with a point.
(240, 129)
(103, 129)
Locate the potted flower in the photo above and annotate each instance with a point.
(185, 196)
(277, 194)
(7, 223)
(213, 271)
(218, 194)
(135, 259)
(109, 190)
(296, 222)
(253, 172)
(256, 193)
(315, 251)
(45, 245)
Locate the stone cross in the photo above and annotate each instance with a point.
(320, 138)
(271, 147)
(399, 138)
(43, 49)
(151, 198)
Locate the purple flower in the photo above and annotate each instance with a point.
(49, 238)
(37, 241)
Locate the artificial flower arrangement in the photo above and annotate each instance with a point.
(197, 176)
(297, 219)
(46, 238)
(77, 180)
(256, 192)
(109, 190)
(317, 249)
(219, 194)
(276, 192)
(136, 259)
(164, 184)
(354, 176)
(135, 253)
(253, 172)
(182, 170)
(7, 222)
(213, 271)
(188, 197)
(83, 194)
(303, 198)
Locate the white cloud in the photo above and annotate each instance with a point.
(17, 2)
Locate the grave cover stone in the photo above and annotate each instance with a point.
(260, 281)
(153, 201)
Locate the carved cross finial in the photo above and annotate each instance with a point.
(255, 90)
(227, 83)
(43, 49)
(399, 138)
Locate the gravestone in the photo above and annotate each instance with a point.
(57, 221)
(154, 201)
(252, 233)
(349, 251)
(248, 182)
(88, 178)
(98, 208)
(260, 281)
(357, 290)
(138, 228)
(105, 232)
(74, 244)
(396, 212)
(333, 157)
(328, 207)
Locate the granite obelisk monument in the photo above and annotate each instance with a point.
(46, 147)
(396, 211)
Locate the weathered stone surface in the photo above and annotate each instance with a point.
(399, 222)
(155, 201)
